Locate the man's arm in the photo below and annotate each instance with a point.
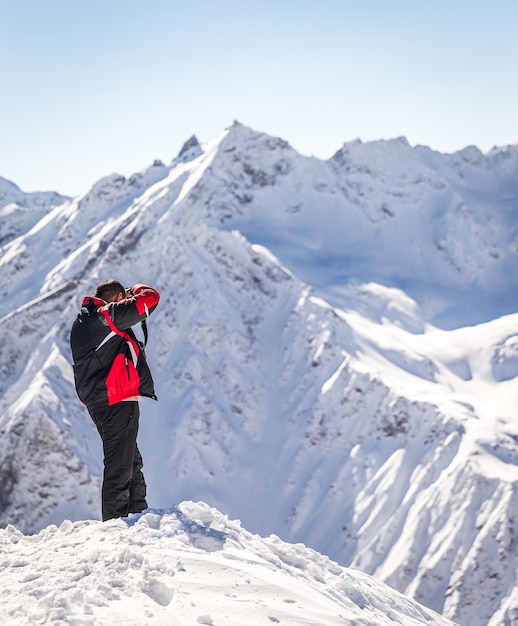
(141, 301)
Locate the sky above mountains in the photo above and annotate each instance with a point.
(94, 88)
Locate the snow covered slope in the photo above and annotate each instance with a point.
(19, 211)
(187, 565)
(443, 228)
(302, 385)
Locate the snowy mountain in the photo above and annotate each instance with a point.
(335, 352)
(187, 565)
(19, 211)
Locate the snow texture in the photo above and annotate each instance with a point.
(187, 565)
(335, 355)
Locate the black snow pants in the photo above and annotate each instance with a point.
(124, 487)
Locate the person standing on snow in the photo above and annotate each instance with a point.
(111, 372)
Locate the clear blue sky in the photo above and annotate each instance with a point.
(93, 87)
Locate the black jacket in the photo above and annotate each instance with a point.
(109, 362)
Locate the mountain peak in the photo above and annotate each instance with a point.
(191, 149)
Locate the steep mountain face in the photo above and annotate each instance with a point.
(302, 386)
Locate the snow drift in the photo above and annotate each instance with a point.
(187, 565)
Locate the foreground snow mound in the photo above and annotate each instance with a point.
(187, 565)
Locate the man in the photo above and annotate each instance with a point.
(111, 372)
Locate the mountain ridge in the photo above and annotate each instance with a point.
(341, 422)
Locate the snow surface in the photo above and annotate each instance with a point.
(335, 355)
(187, 565)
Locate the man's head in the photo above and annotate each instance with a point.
(110, 291)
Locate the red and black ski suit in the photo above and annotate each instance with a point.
(111, 371)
